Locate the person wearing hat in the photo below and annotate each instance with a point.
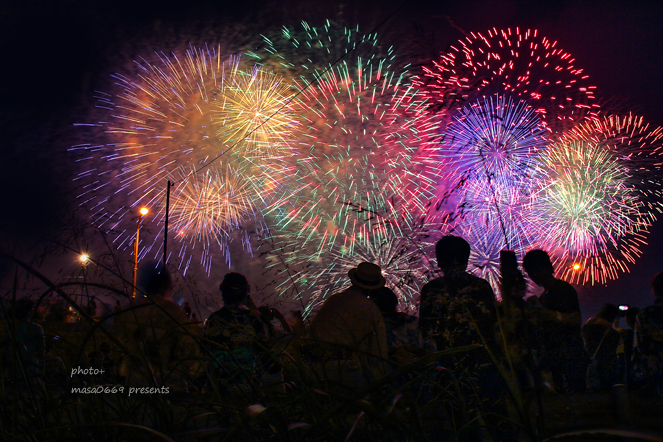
(351, 333)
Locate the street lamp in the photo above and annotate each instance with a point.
(85, 260)
(142, 212)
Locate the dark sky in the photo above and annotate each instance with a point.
(55, 53)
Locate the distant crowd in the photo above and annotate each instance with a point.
(358, 335)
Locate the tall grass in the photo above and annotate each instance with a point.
(421, 401)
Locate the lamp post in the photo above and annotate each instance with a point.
(143, 211)
(165, 230)
(84, 259)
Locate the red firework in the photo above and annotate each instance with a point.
(524, 65)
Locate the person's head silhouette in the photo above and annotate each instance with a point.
(234, 288)
(22, 308)
(385, 299)
(452, 253)
(367, 276)
(609, 312)
(538, 266)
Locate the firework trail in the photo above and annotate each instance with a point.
(521, 65)
(182, 112)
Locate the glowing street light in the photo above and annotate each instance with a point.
(143, 211)
(84, 258)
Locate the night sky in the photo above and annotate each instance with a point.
(56, 53)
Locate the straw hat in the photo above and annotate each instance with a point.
(367, 275)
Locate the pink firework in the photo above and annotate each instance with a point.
(638, 144)
(598, 189)
(362, 132)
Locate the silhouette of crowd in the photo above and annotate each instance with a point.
(358, 336)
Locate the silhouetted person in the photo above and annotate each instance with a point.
(601, 341)
(648, 347)
(55, 372)
(458, 308)
(24, 341)
(158, 334)
(92, 307)
(625, 349)
(563, 350)
(515, 331)
(102, 359)
(350, 333)
(238, 337)
(187, 309)
(58, 311)
(404, 339)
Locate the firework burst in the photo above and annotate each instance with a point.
(522, 64)
(486, 161)
(638, 147)
(602, 191)
(494, 141)
(364, 141)
(306, 52)
(588, 211)
(362, 127)
(196, 112)
(207, 207)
